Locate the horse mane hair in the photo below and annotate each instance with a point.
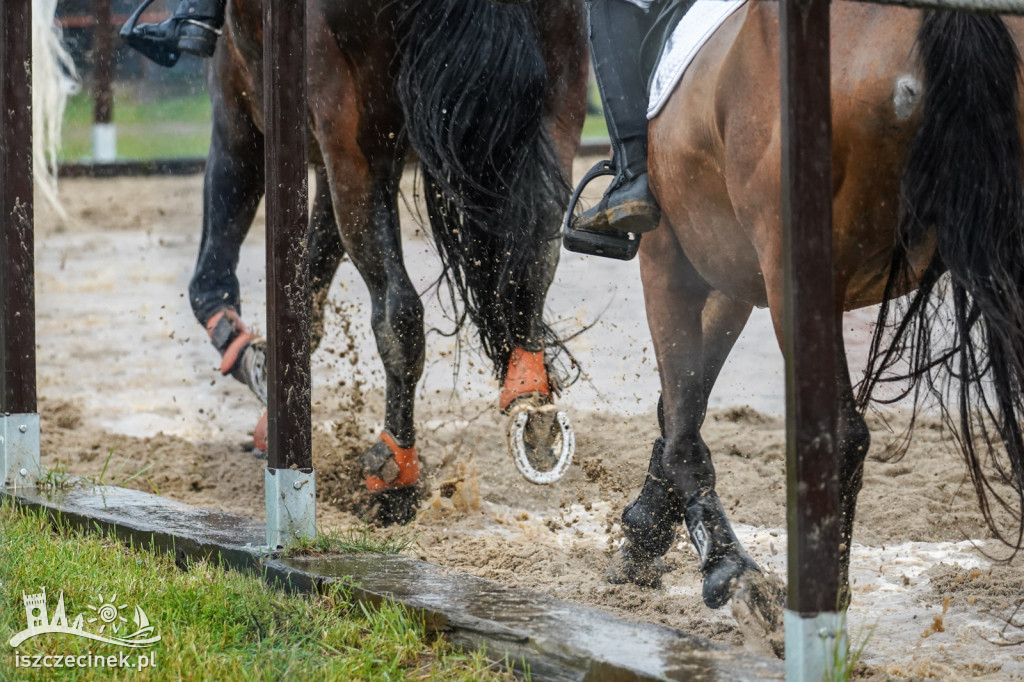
(959, 339)
(472, 82)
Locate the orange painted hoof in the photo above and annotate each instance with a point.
(237, 342)
(399, 470)
(526, 374)
(259, 434)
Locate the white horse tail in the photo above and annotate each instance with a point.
(53, 78)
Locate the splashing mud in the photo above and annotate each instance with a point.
(130, 396)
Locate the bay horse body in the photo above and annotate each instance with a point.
(491, 99)
(928, 203)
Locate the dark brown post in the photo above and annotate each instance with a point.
(102, 48)
(811, 330)
(19, 422)
(289, 454)
(17, 289)
(104, 135)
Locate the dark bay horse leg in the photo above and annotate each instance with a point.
(325, 253)
(391, 466)
(853, 436)
(363, 166)
(693, 330)
(232, 189)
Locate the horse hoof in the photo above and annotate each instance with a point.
(251, 368)
(541, 441)
(396, 506)
(627, 567)
(722, 579)
(650, 520)
(758, 607)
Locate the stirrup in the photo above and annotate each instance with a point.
(165, 49)
(621, 246)
(159, 53)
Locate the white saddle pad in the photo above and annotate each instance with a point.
(690, 34)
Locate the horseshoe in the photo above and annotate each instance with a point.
(517, 445)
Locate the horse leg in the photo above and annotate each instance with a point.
(232, 188)
(325, 253)
(391, 466)
(364, 197)
(853, 438)
(681, 479)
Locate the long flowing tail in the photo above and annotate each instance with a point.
(52, 72)
(962, 336)
(472, 82)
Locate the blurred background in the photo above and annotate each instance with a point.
(150, 112)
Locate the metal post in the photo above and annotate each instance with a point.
(104, 134)
(19, 422)
(813, 626)
(290, 478)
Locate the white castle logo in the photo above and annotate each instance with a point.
(107, 614)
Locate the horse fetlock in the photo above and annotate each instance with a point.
(723, 561)
(526, 378)
(388, 465)
(650, 520)
(229, 336)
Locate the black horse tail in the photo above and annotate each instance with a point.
(472, 82)
(962, 336)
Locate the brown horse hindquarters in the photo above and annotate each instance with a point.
(716, 166)
(716, 149)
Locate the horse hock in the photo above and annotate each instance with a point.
(540, 437)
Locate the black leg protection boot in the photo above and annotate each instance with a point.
(649, 523)
(722, 558)
(628, 209)
(194, 28)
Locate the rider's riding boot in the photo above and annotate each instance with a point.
(722, 558)
(628, 209)
(194, 28)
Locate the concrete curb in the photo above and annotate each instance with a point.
(556, 640)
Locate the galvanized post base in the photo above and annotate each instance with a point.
(291, 506)
(814, 644)
(19, 450)
(104, 142)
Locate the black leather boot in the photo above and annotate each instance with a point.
(723, 561)
(628, 208)
(194, 28)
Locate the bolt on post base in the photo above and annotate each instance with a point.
(291, 506)
(19, 450)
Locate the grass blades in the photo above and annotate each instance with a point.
(214, 624)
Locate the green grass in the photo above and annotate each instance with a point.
(214, 624)
(351, 540)
(163, 128)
